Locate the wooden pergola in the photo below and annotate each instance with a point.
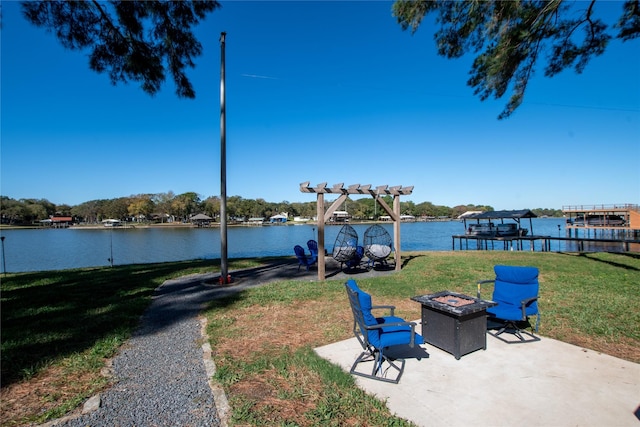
(339, 189)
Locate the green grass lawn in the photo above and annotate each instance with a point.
(59, 328)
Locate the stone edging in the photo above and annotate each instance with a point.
(219, 397)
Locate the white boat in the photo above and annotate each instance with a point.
(508, 230)
(485, 229)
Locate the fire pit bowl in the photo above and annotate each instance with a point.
(453, 300)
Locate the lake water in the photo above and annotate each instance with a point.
(56, 249)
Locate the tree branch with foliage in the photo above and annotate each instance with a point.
(509, 37)
(130, 40)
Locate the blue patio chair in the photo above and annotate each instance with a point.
(304, 259)
(356, 259)
(377, 334)
(516, 292)
(313, 247)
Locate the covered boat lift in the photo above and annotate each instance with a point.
(508, 240)
(515, 215)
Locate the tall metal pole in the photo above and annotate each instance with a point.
(111, 246)
(224, 268)
(4, 265)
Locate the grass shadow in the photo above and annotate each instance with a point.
(408, 259)
(48, 316)
(596, 256)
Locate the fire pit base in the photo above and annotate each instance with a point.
(454, 322)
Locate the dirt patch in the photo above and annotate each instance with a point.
(277, 397)
(271, 328)
(24, 402)
(277, 330)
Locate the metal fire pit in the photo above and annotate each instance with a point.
(454, 322)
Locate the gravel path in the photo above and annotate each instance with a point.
(161, 375)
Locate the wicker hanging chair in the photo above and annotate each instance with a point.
(377, 244)
(344, 248)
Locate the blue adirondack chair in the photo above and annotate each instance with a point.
(313, 247)
(304, 259)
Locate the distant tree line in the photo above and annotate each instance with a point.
(165, 207)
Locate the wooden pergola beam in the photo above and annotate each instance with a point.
(321, 189)
(397, 190)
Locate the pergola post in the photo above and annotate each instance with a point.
(396, 231)
(321, 251)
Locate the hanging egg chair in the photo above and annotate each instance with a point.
(377, 244)
(344, 248)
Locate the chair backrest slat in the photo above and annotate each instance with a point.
(359, 329)
(313, 247)
(299, 250)
(361, 307)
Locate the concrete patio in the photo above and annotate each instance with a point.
(544, 383)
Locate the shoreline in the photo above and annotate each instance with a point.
(210, 225)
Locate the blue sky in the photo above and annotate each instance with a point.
(322, 92)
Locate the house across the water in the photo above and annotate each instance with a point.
(340, 216)
(281, 218)
(58, 221)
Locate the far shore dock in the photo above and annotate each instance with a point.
(615, 227)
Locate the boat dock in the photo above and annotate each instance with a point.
(612, 228)
(618, 221)
(544, 243)
(515, 243)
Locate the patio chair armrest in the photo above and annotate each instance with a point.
(391, 308)
(412, 342)
(482, 282)
(525, 303)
